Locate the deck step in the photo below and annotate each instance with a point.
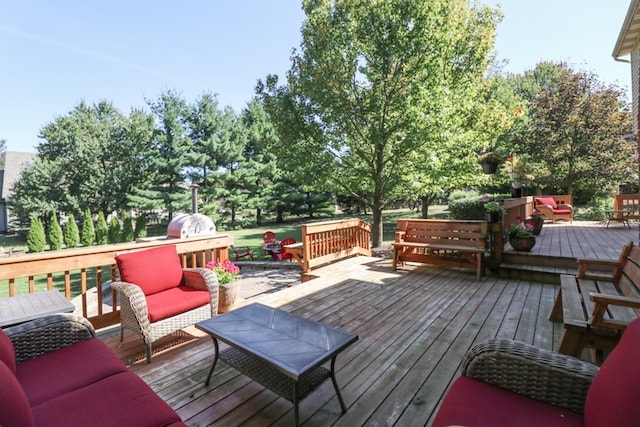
(531, 266)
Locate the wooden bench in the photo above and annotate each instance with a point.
(598, 303)
(441, 242)
(329, 241)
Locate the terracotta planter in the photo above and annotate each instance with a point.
(523, 244)
(227, 294)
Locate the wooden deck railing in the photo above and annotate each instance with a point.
(327, 241)
(521, 207)
(80, 273)
(628, 202)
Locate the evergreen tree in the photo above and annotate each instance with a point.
(36, 237)
(141, 226)
(102, 231)
(114, 230)
(71, 233)
(127, 228)
(88, 230)
(55, 233)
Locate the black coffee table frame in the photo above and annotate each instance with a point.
(279, 350)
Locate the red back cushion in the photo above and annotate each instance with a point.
(14, 406)
(7, 352)
(547, 201)
(154, 270)
(613, 398)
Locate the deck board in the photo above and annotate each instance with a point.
(414, 326)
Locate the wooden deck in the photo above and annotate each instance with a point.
(414, 325)
(584, 239)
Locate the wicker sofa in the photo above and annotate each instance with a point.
(159, 297)
(507, 383)
(54, 372)
(555, 207)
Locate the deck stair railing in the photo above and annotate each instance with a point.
(80, 273)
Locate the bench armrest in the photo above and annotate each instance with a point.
(46, 334)
(399, 236)
(540, 374)
(600, 304)
(585, 264)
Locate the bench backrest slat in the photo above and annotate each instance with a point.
(462, 233)
(629, 280)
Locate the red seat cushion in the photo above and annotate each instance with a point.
(120, 400)
(7, 351)
(613, 398)
(562, 211)
(547, 201)
(67, 369)
(175, 301)
(14, 406)
(154, 270)
(470, 402)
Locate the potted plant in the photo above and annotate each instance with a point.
(494, 209)
(521, 235)
(489, 161)
(228, 274)
(537, 221)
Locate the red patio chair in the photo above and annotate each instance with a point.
(268, 239)
(281, 256)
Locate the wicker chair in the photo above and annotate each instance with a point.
(139, 301)
(506, 382)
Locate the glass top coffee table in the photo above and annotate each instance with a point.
(279, 350)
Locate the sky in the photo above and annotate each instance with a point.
(56, 54)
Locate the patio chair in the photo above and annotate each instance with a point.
(555, 207)
(159, 297)
(240, 252)
(281, 256)
(268, 239)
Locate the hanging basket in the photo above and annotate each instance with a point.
(523, 244)
(489, 168)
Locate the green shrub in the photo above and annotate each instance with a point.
(55, 233)
(71, 233)
(102, 231)
(114, 230)
(141, 226)
(472, 207)
(463, 194)
(127, 228)
(88, 231)
(36, 240)
(595, 208)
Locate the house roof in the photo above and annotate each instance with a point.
(629, 33)
(14, 163)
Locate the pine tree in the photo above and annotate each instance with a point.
(71, 233)
(141, 226)
(102, 231)
(127, 228)
(88, 230)
(114, 230)
(55, 233)
(36, 237)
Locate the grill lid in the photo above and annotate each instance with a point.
(191, 225)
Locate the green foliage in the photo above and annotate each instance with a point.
(376, 96)
(36, 240)
(141, 226)
(88, 230)
(115, 234)
(463, 194)
(127, 228)
(55, 233)
(102, 230)
(473, 207)
(594, 211)
(71, 233)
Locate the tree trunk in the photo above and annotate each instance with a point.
(376, 228)
(425, 206)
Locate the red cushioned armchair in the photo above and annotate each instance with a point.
(159, 297)
(555, 207)
(507, 383)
